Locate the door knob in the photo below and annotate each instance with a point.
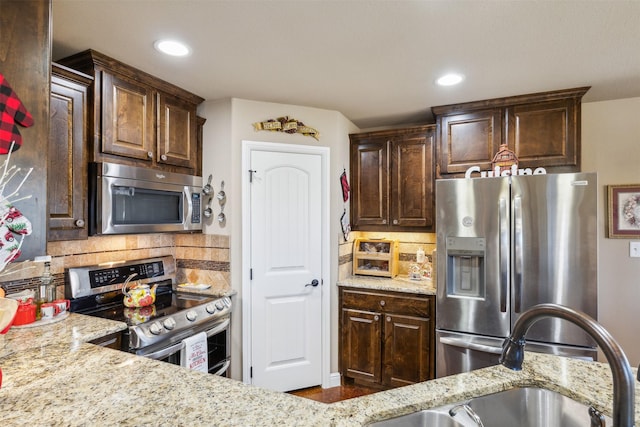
(313, 283)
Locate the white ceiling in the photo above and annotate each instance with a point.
(374, 61)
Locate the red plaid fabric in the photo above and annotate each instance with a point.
(12, 111)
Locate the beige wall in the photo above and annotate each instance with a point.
(229, 122)
(611, 147)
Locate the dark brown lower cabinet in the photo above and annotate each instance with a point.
(386, 337)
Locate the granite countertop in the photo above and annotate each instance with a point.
(213, 291)
(71, 331)
(51, 376)
(397, 284)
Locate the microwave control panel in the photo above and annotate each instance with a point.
(195, 212)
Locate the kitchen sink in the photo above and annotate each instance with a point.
(523, 407)
(438, 417)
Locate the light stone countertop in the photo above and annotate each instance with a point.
(72, 331)
(51, 377)
(397, 284)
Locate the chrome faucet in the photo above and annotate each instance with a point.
(623, 381)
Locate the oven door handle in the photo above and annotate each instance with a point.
(168, 351)
(223, 369)
(219, 328)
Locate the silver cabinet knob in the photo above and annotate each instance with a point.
(376, 317)
(150, 154)
(388, 318)
(382, 303)
(395, 222)
(384, 221)
(80, 223)
(164, 157)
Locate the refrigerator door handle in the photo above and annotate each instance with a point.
(470, 345)
(518, 254)
(504, 254)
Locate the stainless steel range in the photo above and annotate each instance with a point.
(157, 331)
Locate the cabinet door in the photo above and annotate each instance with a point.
(412, 181)
(177, 132)
(407, 342)
(66, 183)
(127, 118)
(544, 133)
(470, 139)
(369, 182)
(361, 345)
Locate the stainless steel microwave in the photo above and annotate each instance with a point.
(128, 199)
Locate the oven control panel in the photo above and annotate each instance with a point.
(97, 279)
(119, 274)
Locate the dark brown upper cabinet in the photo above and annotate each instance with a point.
(543, 130)
(67, 157)
(138, 119)
(392, 179)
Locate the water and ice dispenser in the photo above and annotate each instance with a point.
(465, 276)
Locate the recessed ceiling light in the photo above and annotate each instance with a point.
(450, 79)
(172, 47)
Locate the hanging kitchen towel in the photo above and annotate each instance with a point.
(194, 353)
(12, 111)
(344, 183)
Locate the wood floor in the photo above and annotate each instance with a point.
(334, 394)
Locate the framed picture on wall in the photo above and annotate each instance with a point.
(624, 211)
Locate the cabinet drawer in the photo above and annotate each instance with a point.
(387, 302)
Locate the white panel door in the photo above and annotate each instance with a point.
(286, 258)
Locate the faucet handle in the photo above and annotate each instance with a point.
(512, 353)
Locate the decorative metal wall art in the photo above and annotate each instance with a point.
(287, 125)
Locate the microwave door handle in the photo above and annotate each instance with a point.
(186, 200)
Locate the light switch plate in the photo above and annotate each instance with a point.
(634, 249)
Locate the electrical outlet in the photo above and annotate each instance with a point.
(634, 249)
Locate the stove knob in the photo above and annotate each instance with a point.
(191, 315)
(219, 305)
(155, 328)
(211, 308)
(169, 323)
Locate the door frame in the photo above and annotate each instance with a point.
(324, 152)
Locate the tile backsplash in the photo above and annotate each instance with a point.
(408, 245)
(200, 258)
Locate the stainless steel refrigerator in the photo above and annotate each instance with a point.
(505, 244)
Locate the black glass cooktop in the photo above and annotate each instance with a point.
(111, 306)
